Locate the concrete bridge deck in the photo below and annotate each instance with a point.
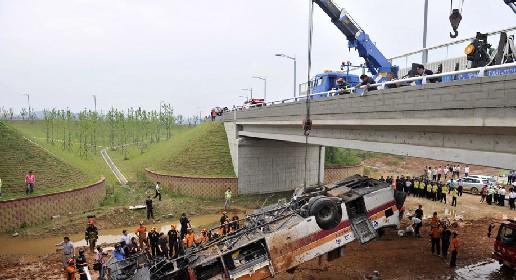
(471, 121)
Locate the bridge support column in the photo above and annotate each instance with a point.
(266, 166)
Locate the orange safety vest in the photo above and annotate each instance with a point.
(190, 238)
(203, 238)
(436, 233)
(434, 221)
(454, 244)
(140, 231)
(70, 273)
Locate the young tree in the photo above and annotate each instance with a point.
(23, 113)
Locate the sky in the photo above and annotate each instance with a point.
(199, 54)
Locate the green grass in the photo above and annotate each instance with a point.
(133, 166)
(201, 151)
(18, 156)
(93, 168)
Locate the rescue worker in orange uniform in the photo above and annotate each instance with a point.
(70, 271)
(189, 238)
(454, 247)
(141, 232)
(436, 240)
(435, 221)
(204, 236)
(225, 229)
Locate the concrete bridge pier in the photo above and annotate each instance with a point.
(266, 166)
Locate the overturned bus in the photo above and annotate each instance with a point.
(277, 238)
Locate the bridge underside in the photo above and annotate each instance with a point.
(487, 146)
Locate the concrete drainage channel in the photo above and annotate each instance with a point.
(113, 167)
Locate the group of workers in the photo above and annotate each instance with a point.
(425, 188)
(176, 242)
(440, 233)
(496, 195)
(366, 82)
(78, 264)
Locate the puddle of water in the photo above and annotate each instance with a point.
(484, 270)
(42, 246)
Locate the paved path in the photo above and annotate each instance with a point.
(113, 167)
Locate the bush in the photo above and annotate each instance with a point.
(337, 157)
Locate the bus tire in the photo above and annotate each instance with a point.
(327, 213)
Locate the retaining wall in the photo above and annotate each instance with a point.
(33, 210)
(194, 186)
(332, 175)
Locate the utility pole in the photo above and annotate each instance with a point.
(425, 52)
(95, 101)
(28, 101)
(250, 90)
(294, 59)
(264, 79)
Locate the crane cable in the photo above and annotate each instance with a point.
(307, 123)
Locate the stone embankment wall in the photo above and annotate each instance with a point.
(215, 187)
(194, 186)
(33, 210)
(338, 173)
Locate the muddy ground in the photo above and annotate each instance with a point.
(394, 257)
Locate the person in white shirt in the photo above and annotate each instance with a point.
(158, 191)
(446, 169)
(512, 197)
(466, 171)
(458, 171)
(125, 237)
(501, 196)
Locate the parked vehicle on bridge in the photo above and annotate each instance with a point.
(327, 81)
(317, 220)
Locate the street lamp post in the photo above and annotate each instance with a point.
(251, 90)
(160, 107)
(95, 101)
(264, 79)
(199, 114)
(28, 101)
(294, 59)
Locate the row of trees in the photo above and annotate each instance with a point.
(116, 129)
(8, 113)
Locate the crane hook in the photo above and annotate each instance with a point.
(454, 35)
(455, 18)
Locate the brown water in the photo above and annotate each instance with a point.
(42, 246)
(484, 270)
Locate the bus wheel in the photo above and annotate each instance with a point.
(327, 213)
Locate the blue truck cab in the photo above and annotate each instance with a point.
(328, 80)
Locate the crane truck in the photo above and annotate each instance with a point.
(358, 39)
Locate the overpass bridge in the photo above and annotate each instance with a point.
(471, 121)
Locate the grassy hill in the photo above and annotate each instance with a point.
(202, 151)
(193, 151)
(18, 156)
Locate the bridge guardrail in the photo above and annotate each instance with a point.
(488, 71)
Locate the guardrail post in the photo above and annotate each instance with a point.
(481, 71)
(423, 81)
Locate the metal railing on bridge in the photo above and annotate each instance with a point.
(488, 71)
